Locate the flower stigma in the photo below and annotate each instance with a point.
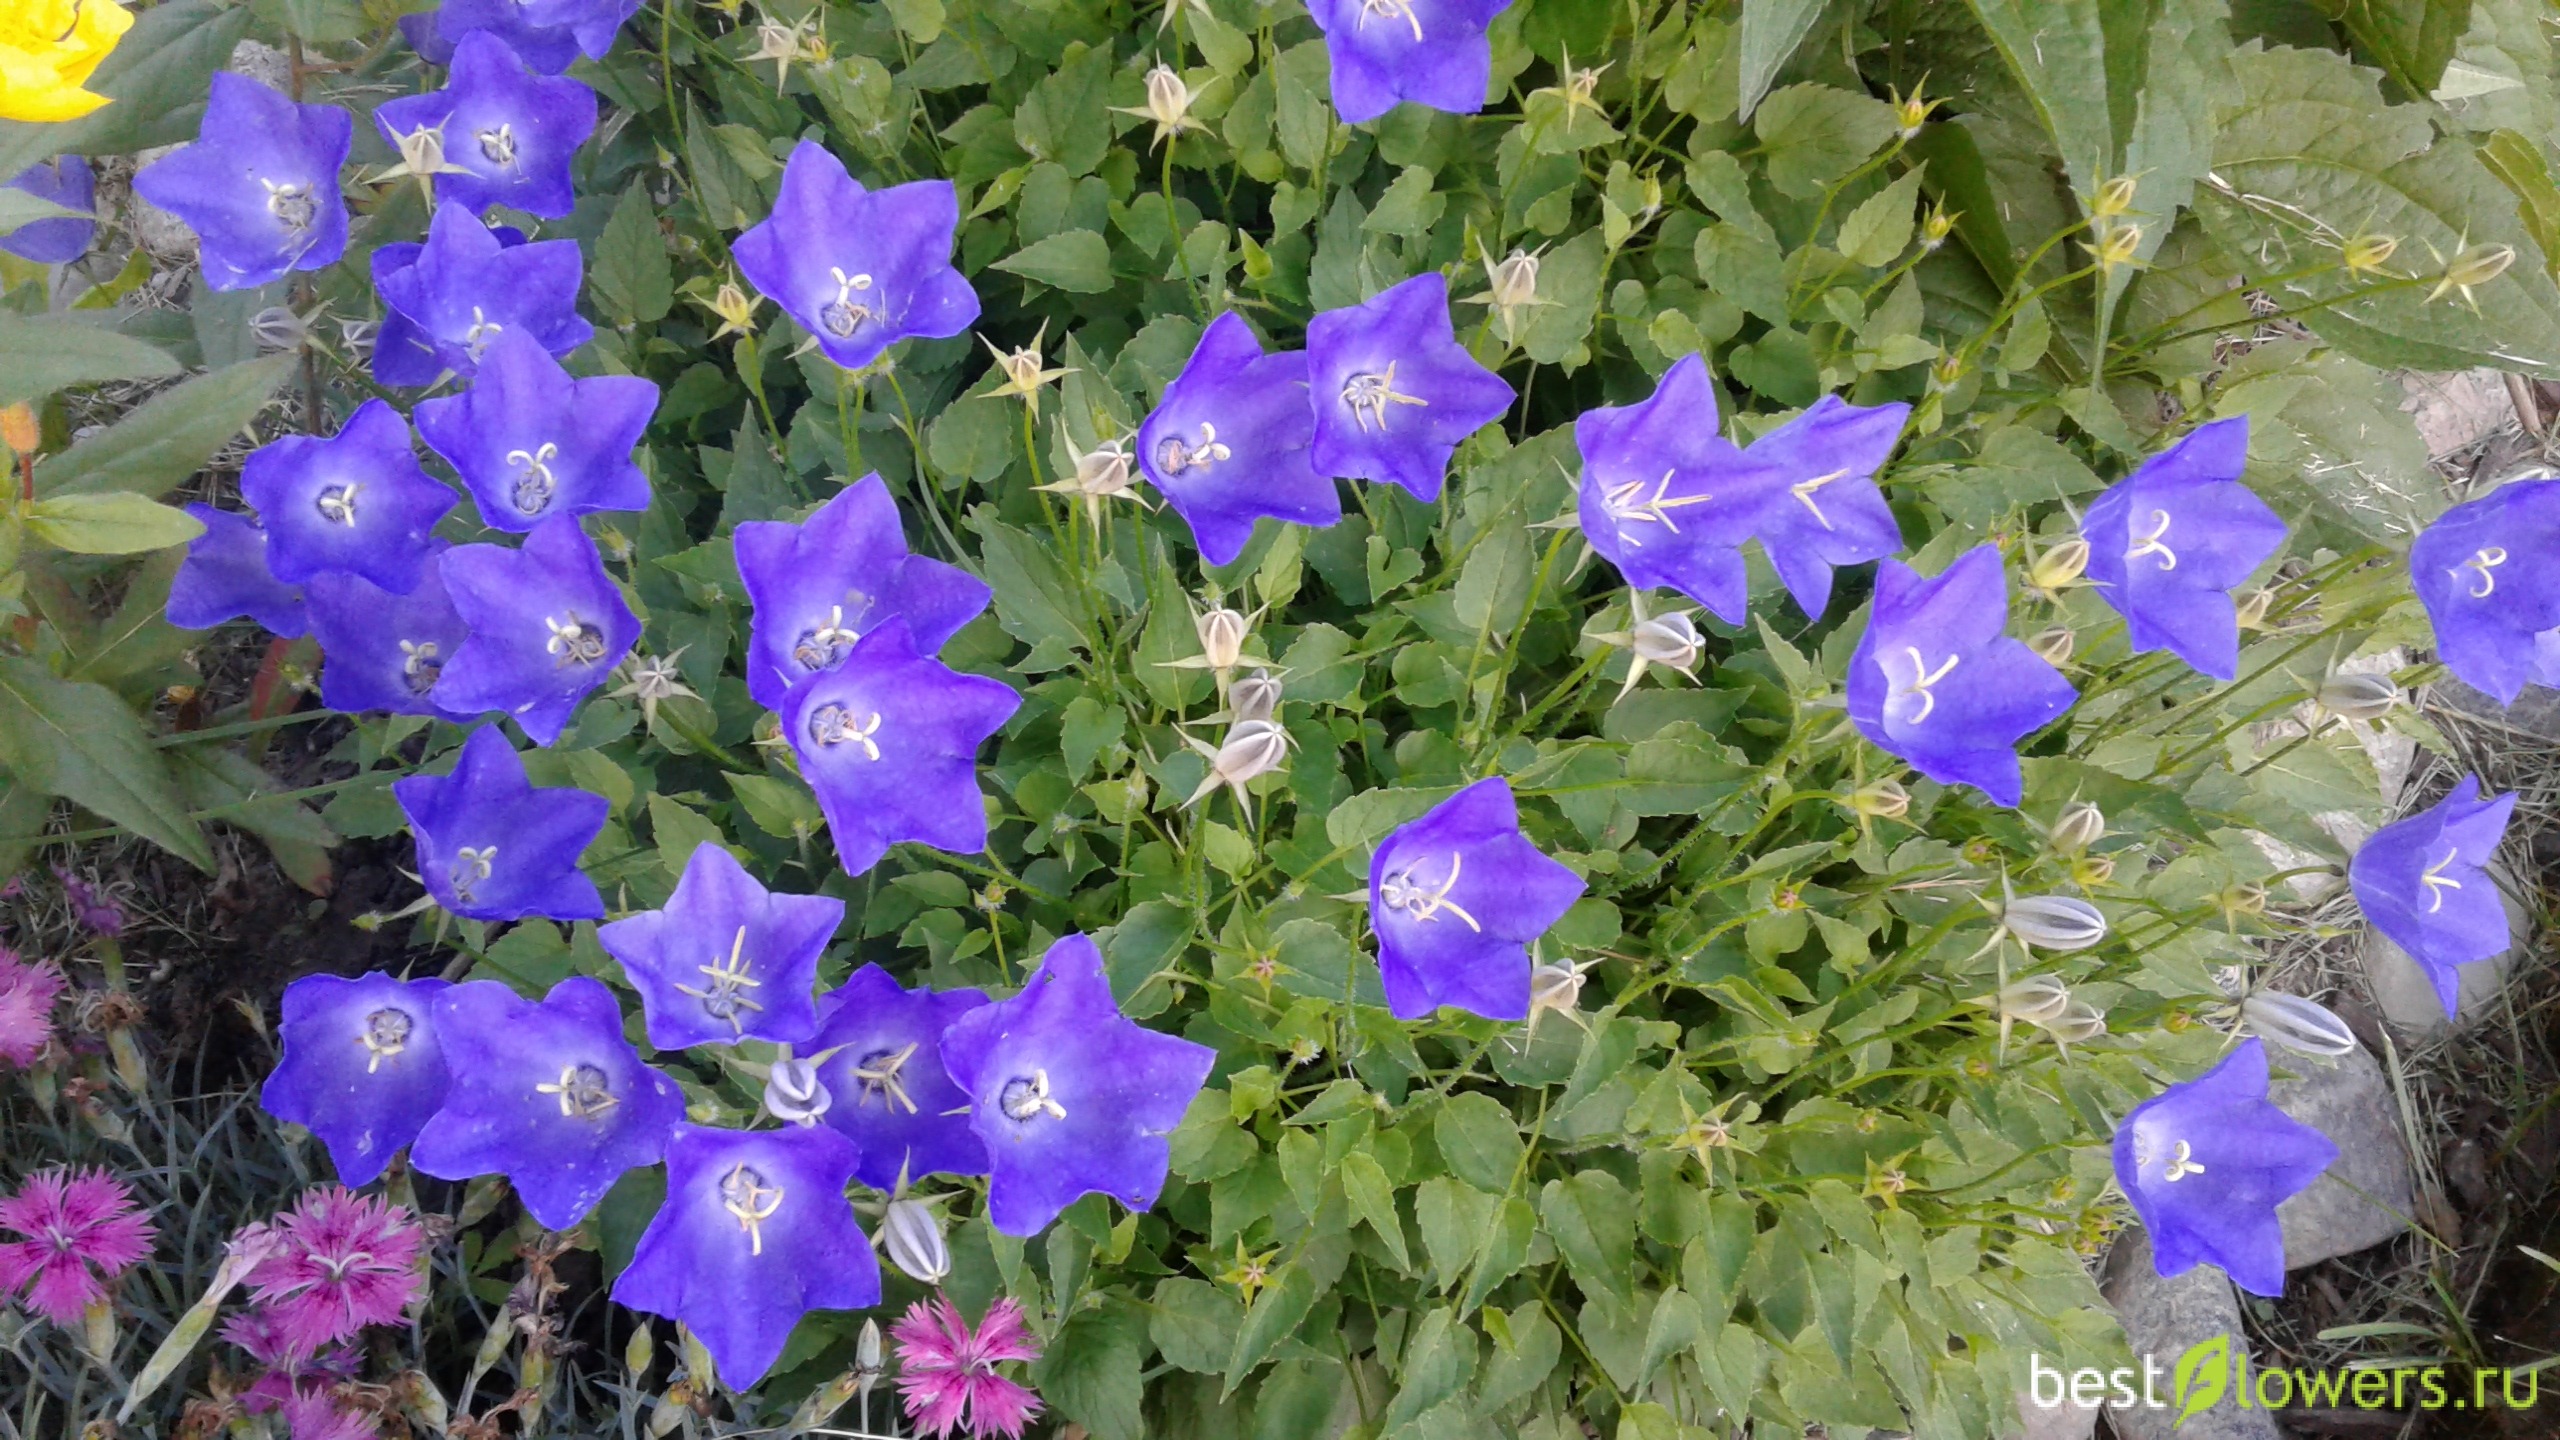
(1175, 456)
(386, 1033)
(2436, 883)
(291, 204)
(337, 503)
(878, 1072)
(1391, 10)
(1803, 491)
(844, 315)
(420, 665)
(583, 1092)
(725, 998)
(2152, 543)
(1922, 677)
(1024, 1097)
(575, 641)
(1400, 891)
(470, 867)
(1620, 504)
(475, 341)
(498, 146)
(2483, 560)
(534, 488)
(1369, 393)
(744, 1194)
(823, 647)
(834, 725)
(2182, 1163)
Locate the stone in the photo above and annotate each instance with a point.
(2051, 1422)
(2407, 998)
(2535, 715)
(2455, 411)
(265, 64)
(2162, 1319)
(2367, 1196)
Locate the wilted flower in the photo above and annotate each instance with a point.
(2054, 922)
(860, 270)
(1820, 507)
(2473, 265)
(509, 135)
(1669, 640)
(1168, 104)
(1071, 1097)
(2115, 197)
(1647, 505)
(2251, 609)
(356, 502)
(2078, 1022)
(492, 847)
(2205, 1164)
(549, 34)
(27, 993)
(1936, 227)
(1511, 286)
(915, 1241)
(67, 181)
(1885, 800)
(755, 1233)
(2296, 1023)
(1937, 681)
(2488, 614)
(821, 585)
(735, 308)
(531, 442)
(2357, 694)
(883, 1062)
(1431, 52)
(2421, 882)
(1911, 111)
(363, 1066)
(79, 1232)
(2168, 544)
(384, 651)
(1101, 473)
(2368, 253)
(2054, 645)
(49, 48)
(341, 1262)
(947, 1374)
(447, 300)
(1024, 375)
(802, 39)
(548, 625)
(259, 187)
(726, 959)
(889, 739)
(1394, 391)
(794, 1095)
(1228, 444)
(547, 1094)
(225, 577)
(653, 680)
(1456, 897)
(2121, 245)
(1251, 749)
(1557, 990)
(2078, 827)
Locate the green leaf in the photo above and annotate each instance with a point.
(1090, 1370)
(42, 354)
(777, 807)
(1076, 260)
(169, 437)
(2329, 444)
(81, 742)
(1194, 1324)
(2057, 49)
(1592, 1219)
(18, 209)
(2518, 163)
(631, 277)
(1525, 1349)
(2414, 39)
(1771, 31)
(1569, 280)
(1815, 134)
(1275, 1316)
(112, 524)
(1480, 1141)
(919, 20)
(1437, 1361)
(1453, 1218)
(1031, 590)
(679, 831)
(1506, 1249)
(1064, 118)
(1877, 230)
(171, 52)
(1373, 1199)
(214, 777)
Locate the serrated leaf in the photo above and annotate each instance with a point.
(1437, 1361)
(2057, 50)
(81, 742)
(1814, 134)
(1771, 31)
(1877, 230)
(1030, 588)
(1275, 1316)
(1506, 1249)
(1480, 1141)
(1453, 1217)
(1194, 1324)
(1074, 260)
(169, 437)
(1091, 1367)
(1373, 1200)
(1593, 1221)
(630, 275)
(779, 808)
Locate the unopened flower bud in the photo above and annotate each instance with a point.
(1671, 640)
(866, 1349)
(2077, 1023)
(1934, 230)
(2251, 610)
(1555, 987)
(1256, 696)
(1885, 800)
(2296, 1024)
(1222, 633)
(2120, 246)
(2358, 695)
(278, 328)
(2240, 900)
(639, 1353)
(2091, 871)
(2054, 645)
(1168, 102)
(1652, 190)
(1910, 112)
(794, 1093)
(2115, 197)
(2476, 266)
(1253, 748)
(915, 1242)
(19, 429)
(1513, 286)
(2054, 922)
(2059, 566)
(2366, 253)
(2078, 827)
(2035, 999)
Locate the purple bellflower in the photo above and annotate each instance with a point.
(547, 1094)
(820, 585)
(1456, 897)
(492, 847)
(510, 133)
(889, 739)
(67, 181)
(363, 1066)
(225, 577)
(532, 443)
(356, 502)
(384, 651)
(549, 34)
(859, 269)
(1938, 681)
(446, 300)
(1829, 512)
(1667, 500)
(2168, 543)
(259, 187)
(2205, 1164)
(727, 959)
(1394, 391)
(2494, 618)
(1431, 52)
(547, 626)
(755, 1233)
(2421, 882)
(891, 1096)
(1228, 444)
(1071, 1097)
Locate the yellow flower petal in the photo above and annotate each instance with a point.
(48, 51)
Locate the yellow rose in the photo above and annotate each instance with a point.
(48, 49)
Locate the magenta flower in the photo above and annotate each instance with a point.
(81, 1232)
(947, 1375)
(92, 908)
(314, 1415)
(26, 1007)
(343, 1261)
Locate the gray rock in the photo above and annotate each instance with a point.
(156, 230)
(2536, 712)
(2407, 998)
(265, 64)
(2456, 410)
(2370, 1193)
(2162, 1318)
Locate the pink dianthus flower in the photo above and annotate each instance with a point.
(27, 994)
(340, 1262)
(947, 1375)
(80, 1232)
